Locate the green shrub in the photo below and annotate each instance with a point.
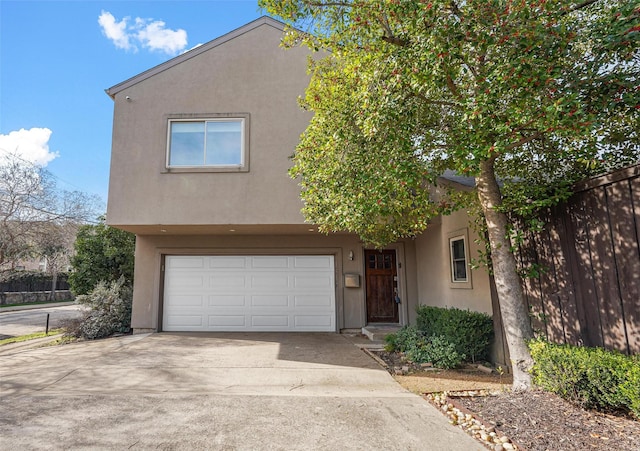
(404, 339)
(391, 341)
(470, 332)
(101, 253)
(630, 388)
(593, 378)
(442, 353)
(109, 310)
(419, 348)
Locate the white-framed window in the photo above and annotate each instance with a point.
(217, 143)
(459, 264)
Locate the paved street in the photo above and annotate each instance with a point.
(204, 391)
(29, 321)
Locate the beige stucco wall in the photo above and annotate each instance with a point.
(434, 270)
(254, 212)
(350, 302)
(249, 73)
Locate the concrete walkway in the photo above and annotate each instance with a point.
(213, 391)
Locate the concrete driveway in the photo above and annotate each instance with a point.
(213, 391)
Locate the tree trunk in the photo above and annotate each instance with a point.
(515, 315)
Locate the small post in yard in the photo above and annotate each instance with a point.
(47, 330)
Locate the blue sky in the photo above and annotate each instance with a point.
(58, 57)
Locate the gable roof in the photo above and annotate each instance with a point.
(453, 176)
(264, 20)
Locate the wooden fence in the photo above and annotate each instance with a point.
(33, 282)
(588, 290)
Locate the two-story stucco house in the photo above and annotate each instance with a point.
(201, 147)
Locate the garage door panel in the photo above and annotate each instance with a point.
(312, 301)
(249, 293)
(224, 262)
(182, 281)
(271, 321)
(270, 262)
(222, 321)
(269, 281)
(227, 281)
(185, 300)
(226, 301)
(312, 321)
(186, 262)
(188, 321)
(270, 301)
(315, 261)
(313, 281)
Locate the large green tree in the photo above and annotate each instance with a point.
(103, 254)
(524, 96)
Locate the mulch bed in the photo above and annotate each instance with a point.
(540, 421)
(535, 420)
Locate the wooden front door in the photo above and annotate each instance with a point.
(382, 286)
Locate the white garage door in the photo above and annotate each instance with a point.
(249, 293)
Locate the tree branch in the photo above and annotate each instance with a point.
(452, 87)
(389, 36)
(524, 140)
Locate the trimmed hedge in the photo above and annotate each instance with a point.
(444, 337)
(592, 378)
(470, 332)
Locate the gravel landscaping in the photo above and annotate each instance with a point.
(482, 404)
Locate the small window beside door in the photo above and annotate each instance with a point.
(459, 260)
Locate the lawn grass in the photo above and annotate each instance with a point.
(28, 337)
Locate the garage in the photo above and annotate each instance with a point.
(256, 293)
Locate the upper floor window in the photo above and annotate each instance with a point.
(215, 143)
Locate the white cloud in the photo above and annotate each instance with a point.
(148, 33)
(155, 36)
(31, 145)
(115, 31)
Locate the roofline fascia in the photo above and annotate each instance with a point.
(264, 20)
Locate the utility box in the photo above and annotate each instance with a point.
(352, 280)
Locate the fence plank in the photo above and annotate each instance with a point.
(634, 320)
(626, 252)
(580, 278)
(581, 272)
(566, 298)
(532, 286)
(603, 263)
(548, 282)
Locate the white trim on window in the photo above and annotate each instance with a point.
(227, 155)
(457, 252)
(459, 267)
